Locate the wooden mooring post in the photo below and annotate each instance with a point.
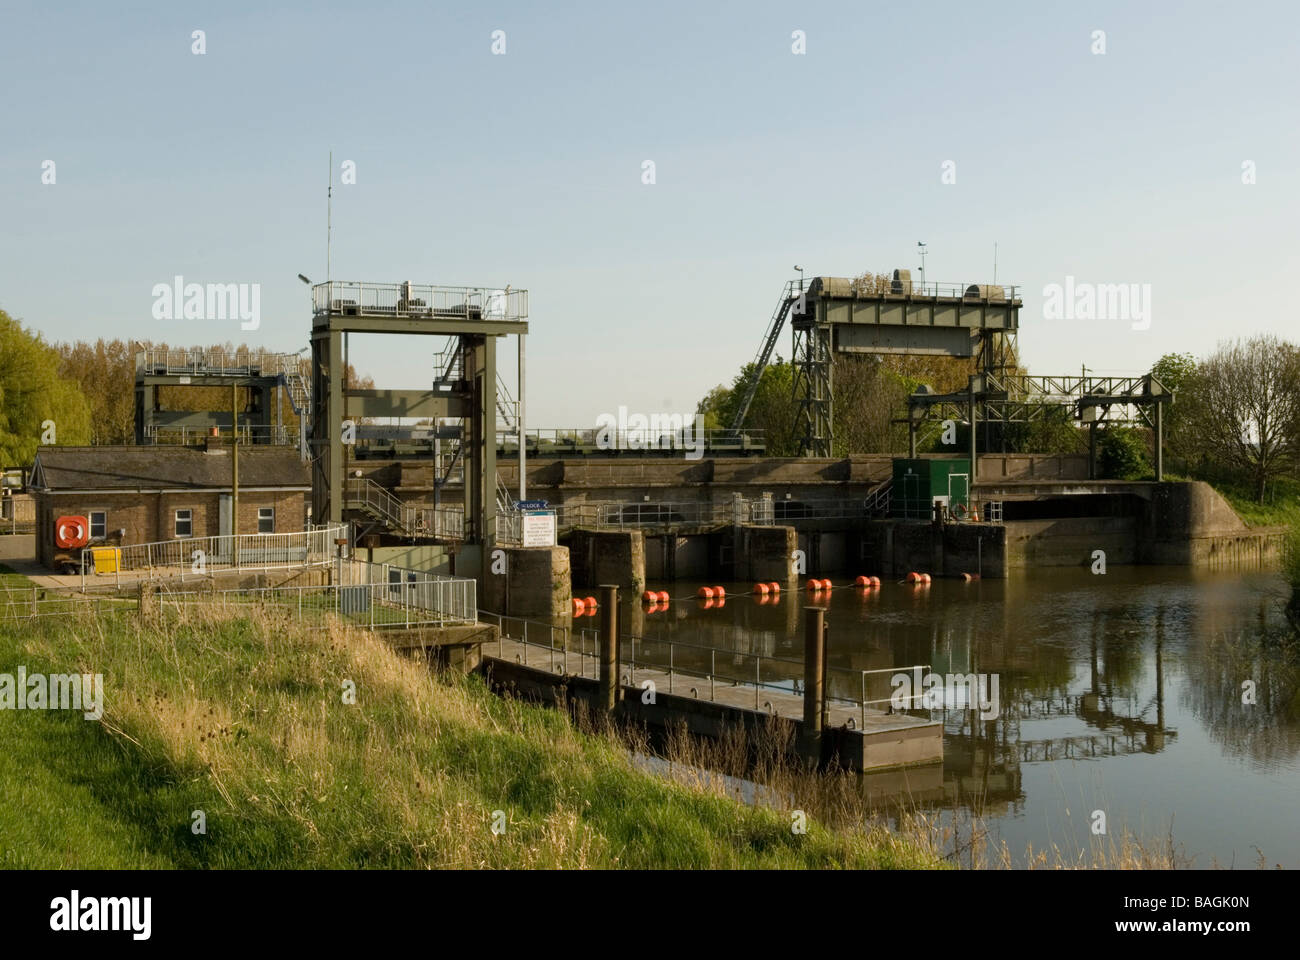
(608, 692)
(814, 676)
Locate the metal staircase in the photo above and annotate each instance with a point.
(789, 297)
(368, 497)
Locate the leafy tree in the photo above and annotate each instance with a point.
(1122, 454)
(32, 394)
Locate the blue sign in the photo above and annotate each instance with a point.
(530, 504)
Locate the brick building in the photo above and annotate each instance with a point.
(144, 494)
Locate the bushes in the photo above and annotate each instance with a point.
(1122, 455)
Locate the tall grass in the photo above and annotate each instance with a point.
(243, 718)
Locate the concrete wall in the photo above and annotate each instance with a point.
(1070, 542)
(614, 556)
(534, 582)
(428, 557)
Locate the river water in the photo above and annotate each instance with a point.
(1120, 693)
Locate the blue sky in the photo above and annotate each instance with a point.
(525, 168)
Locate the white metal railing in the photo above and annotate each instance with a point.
(198, 557)
(447, 523)
(453, 599)
(419, 301)
(364, 493)
(216, 362)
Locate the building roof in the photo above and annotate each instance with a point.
(165, 467)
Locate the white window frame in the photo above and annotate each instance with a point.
(103, 524)
(260, 518)
(176, 523)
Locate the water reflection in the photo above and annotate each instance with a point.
(1121, 692)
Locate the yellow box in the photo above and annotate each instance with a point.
(107, 559)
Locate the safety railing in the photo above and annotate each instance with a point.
(884, 286)
(868, 691)
(420, 301)
(200, 557)
(761, 511)
(554, 441)
(248, 433)
(220, 363)
(364, 494)
(453, 598)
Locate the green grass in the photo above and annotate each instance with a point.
(1281, 506)
(243, 717)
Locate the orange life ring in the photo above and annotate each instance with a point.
(71, 532)
(962, 507)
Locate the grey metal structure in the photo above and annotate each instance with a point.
(993, 397)
(259, 372)
(466, 389)
(834, 315)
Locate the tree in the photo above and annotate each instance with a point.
(36, 405)
(1243, 404)
(771, 412)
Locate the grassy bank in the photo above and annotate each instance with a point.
(244, 718)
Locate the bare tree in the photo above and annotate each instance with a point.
(1244, 403)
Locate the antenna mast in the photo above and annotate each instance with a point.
(329, 222)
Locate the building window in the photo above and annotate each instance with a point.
(184, 523)
(266, 519)
(98, 524)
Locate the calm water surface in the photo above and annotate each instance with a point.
(1119, 693)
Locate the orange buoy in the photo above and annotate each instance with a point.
(663, 597)
(862, 582)
(578, 606)
(774, 587)
(875, 581)
(720, 593)
(591, 603)
(813, 585)
(762, 589)
(704, 593)
(925, 578)
(649, 596)
(913, 577)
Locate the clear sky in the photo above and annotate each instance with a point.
(526, 168)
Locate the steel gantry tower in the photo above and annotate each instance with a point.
(476, 317)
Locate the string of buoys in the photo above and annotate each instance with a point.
(585, 606)
(764, 592)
